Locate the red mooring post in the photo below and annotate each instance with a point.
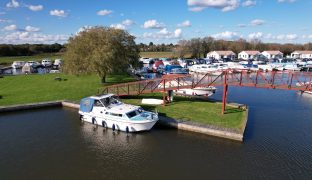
(225, 89)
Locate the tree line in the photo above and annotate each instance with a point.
(199, 47)
(194, 48)
(29, 49)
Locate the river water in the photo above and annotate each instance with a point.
(52, 144)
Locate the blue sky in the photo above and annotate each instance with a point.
(161, 21)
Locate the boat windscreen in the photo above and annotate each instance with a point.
(132, 114)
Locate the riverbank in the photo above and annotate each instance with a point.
(191, 126)
(33, 88)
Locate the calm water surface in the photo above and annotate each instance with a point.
(52, 144)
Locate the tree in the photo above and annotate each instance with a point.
(100, 50)
(182, 49)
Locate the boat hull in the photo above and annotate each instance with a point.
(119, 125)
(194, 92)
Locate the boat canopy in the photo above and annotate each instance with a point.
(86, 104)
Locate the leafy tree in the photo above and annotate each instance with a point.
(100, 50)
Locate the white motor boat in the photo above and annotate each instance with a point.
(198, 91)
(106, 110)
(18, 64)
(236, 66)
(206, 68)
(305, 84)
(292, 67)
(145, 60)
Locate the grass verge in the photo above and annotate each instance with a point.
(24, 89)
(199, 111)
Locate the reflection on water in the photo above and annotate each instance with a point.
(53, 144)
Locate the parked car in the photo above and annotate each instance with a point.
(46, 62)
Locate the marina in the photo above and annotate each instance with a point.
(274, 147)
(195, 89)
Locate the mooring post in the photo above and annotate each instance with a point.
(164, 91)
(225, 89)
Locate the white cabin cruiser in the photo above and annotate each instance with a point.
(106, 110)
(206, 68)
(18, 64)
(198, 91)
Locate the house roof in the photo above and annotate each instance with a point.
(251, 52)
(224, 53)
(273, 52)
(303, 52)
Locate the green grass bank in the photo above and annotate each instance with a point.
(24, 89)
(196, 110)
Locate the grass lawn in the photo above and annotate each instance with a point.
(195, 110)
(39, 58)
(23, 89)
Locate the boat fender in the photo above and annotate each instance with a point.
(113, 127)
(103, 124)
(127, 129)
(81, 117)
(93, 120)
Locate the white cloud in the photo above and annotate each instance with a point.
(153, 24)
(282, 37)
(242, 25)
(35, 7)
(310, 36)
(257, 22)
(118, 26)
(178, 33)
(83, 28)
(104, 12)
(164, 34)
(228, 35)
(256, 35)
(5, 21)
(249, 3)
(10, 27)
(12, 4)
(291, 37)
(127, 22)
(196, 9)
(31, 29)
(186, 23)
(282, 1)
(59, 13)
(224, 5)
(27, 37)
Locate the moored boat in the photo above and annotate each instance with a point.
(106, 110)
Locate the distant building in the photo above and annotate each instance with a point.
(301, 54)
(219, 55)
(273, 54)
(246, 55)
